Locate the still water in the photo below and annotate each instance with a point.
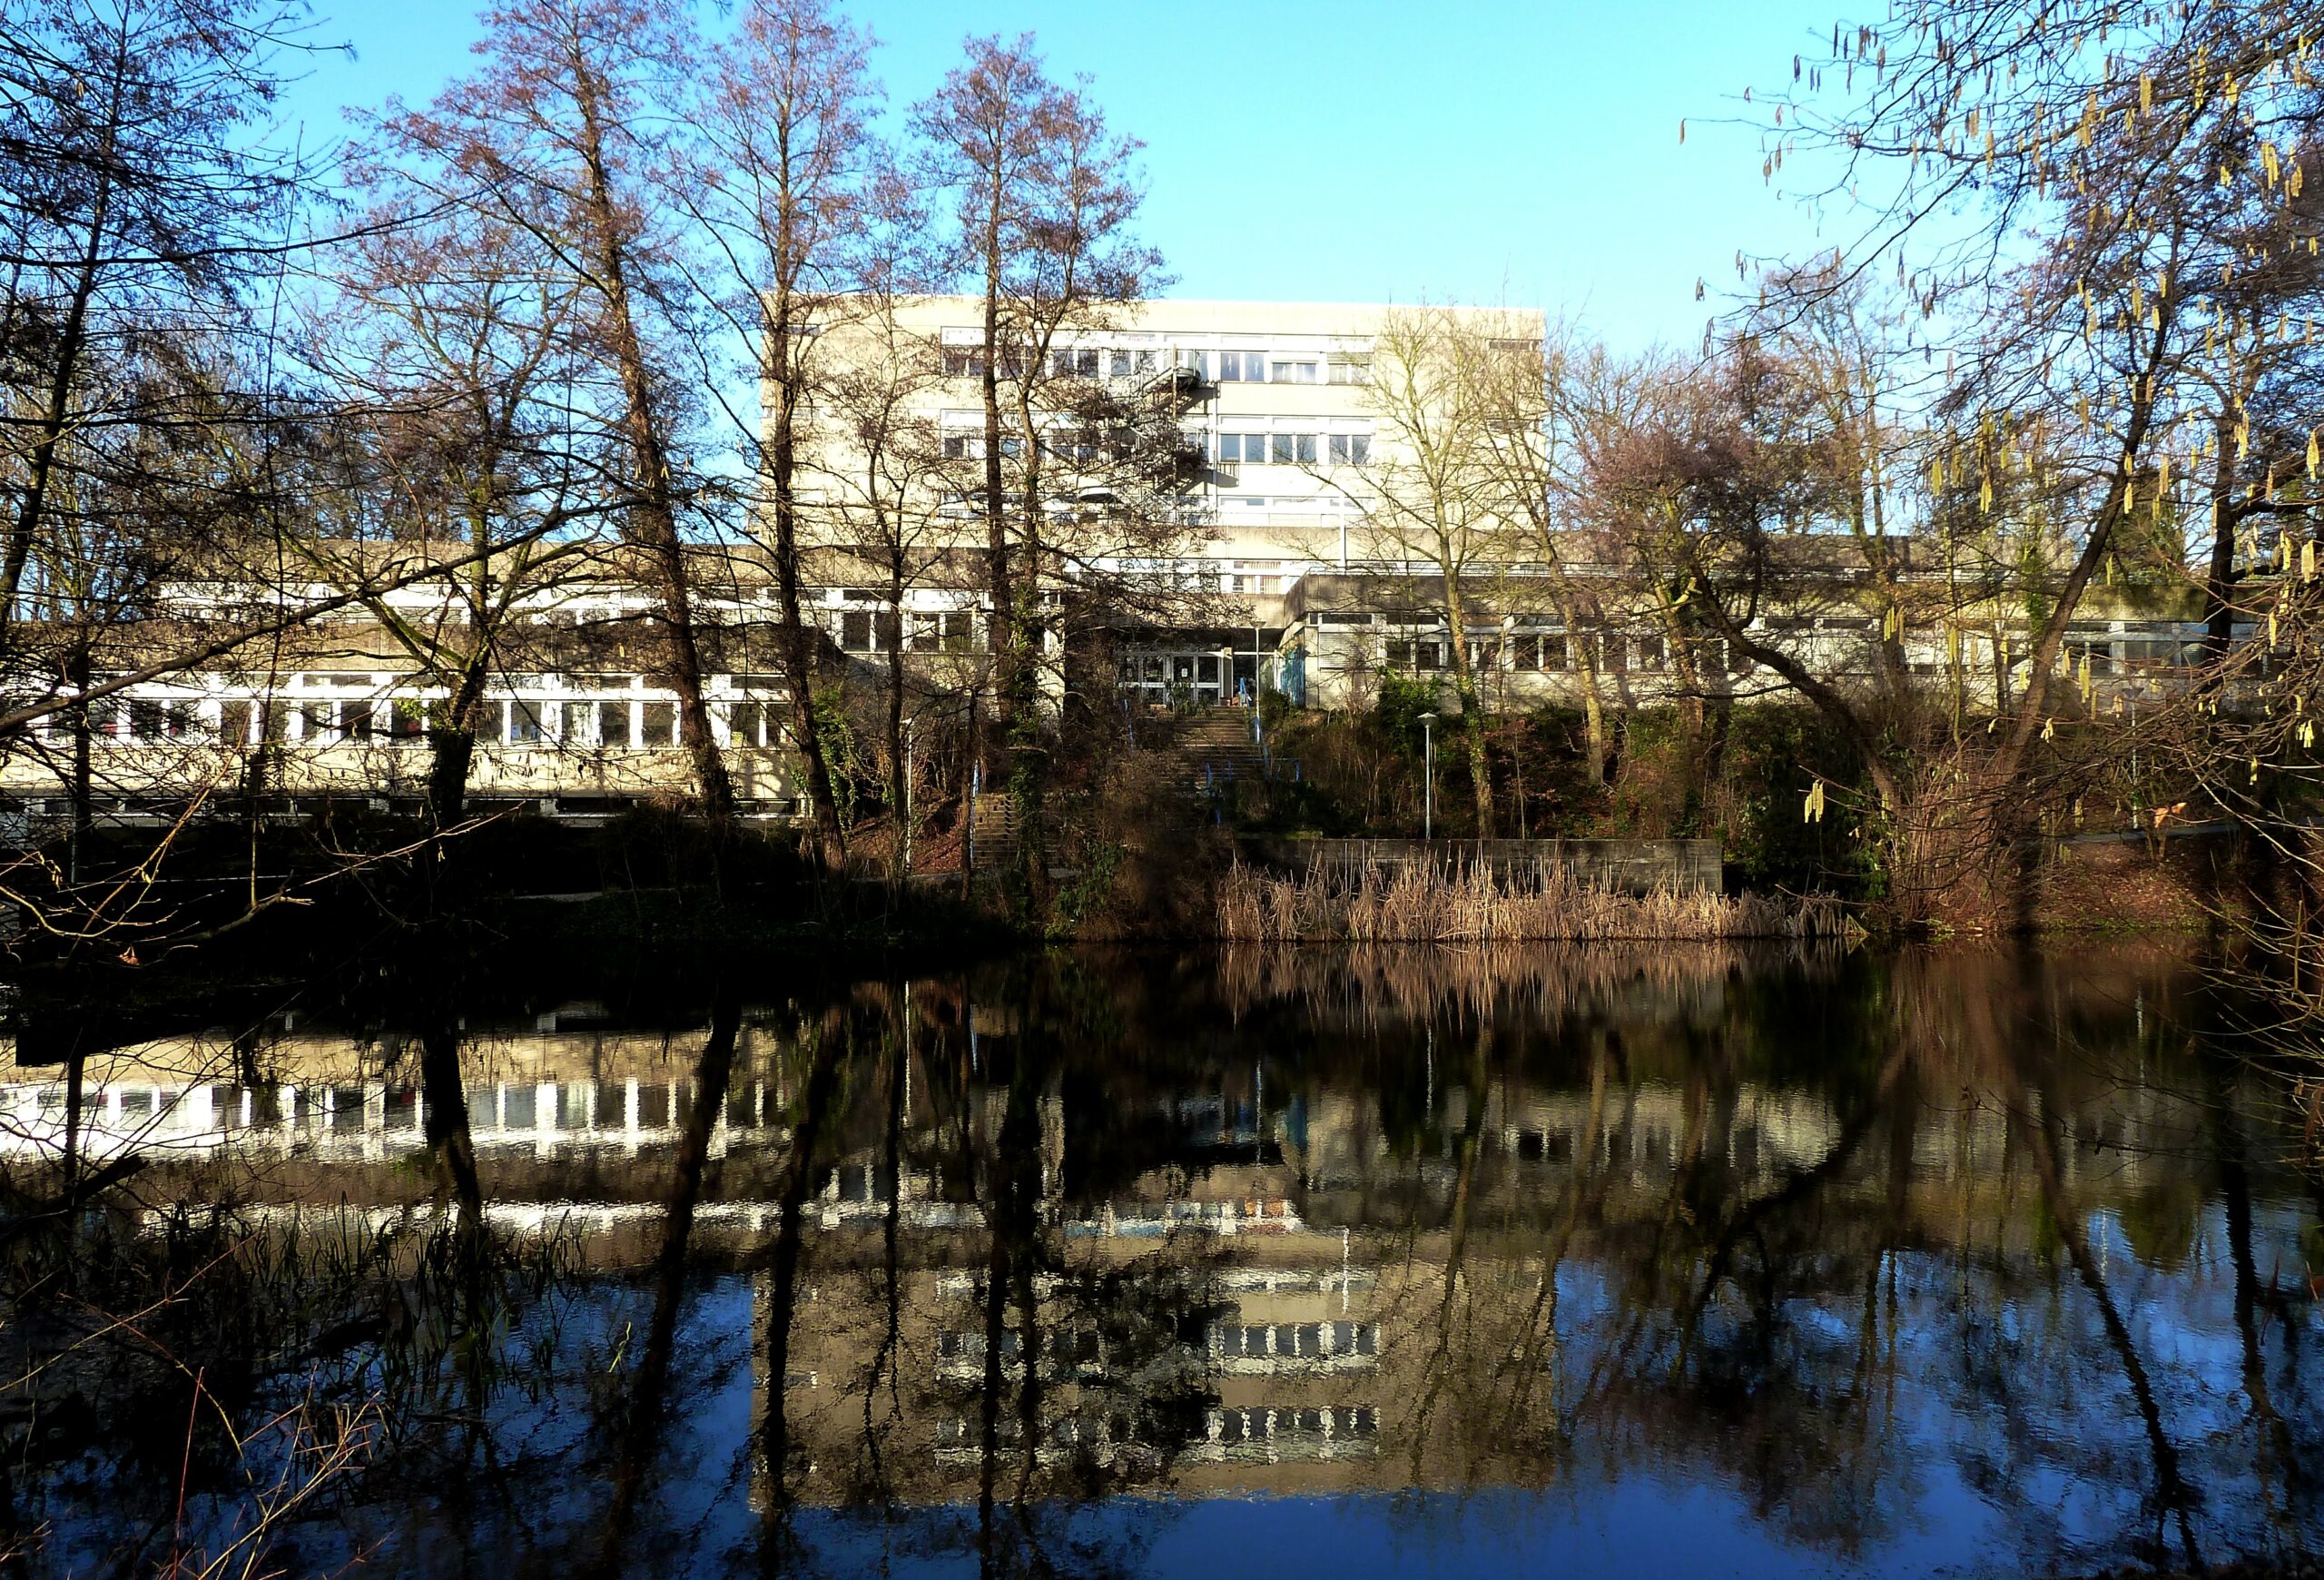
(1688, 1262)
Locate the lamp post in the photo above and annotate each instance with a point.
(909, 722)
(1258, 692)
(1428, 775)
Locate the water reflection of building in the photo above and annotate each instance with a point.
(560, 1088)
(1259, 1272)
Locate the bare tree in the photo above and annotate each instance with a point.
(141, 208)
(779, 174)
(1437, 496)
(558, 135)
(886, 479)
(1543, 419)
(2108, 174)
(452, 337)
(1045, 196)
(137, 199)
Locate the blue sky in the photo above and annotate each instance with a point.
(1355, 151)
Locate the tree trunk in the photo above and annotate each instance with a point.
(445, 1094)
(649, 1384)
(653, 512)
(898, 766)
(77, 673)
(1473, 714)
(1693, 714)
(1001, 618)
(798, 646)
(782, 1274)
(2218, 587)
(452, 747)
(1593, 719)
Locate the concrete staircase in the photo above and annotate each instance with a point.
(1215, 745)
(995, 847)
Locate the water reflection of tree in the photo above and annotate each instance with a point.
(1783, 1328)
(1936, 1251)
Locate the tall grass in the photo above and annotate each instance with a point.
(1412, 903)
(1546, 981)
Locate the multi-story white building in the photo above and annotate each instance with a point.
(1275, 404)
(1268, 436)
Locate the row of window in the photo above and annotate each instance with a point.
(1229, 1426)
(1259, 1424)
(1061, 1346)
(611, 1105)
(1154, 669)
(878, 631)
(1614, 651)
(1294, 1340)
(626, 726)
(1235, 1341)
(1236, 367)
(371, 681)
(1258, 368)
(1246, 449)
(1293, 449)
(1081, 448)
(1648, 653)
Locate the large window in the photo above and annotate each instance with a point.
(1542, 650)
(1241, 367)
(746, 724)
(524, 723)
(1351, 449)
(1242, 447)
(1295, 371)
(945, 631)
(867, 631)
(1293, 449)
(615, 726)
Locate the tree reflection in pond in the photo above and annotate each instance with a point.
(1963, 1259)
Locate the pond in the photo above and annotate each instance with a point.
(1657, 1261)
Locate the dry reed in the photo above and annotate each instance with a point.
(1418, 905)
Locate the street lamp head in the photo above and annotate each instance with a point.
(1428, 718)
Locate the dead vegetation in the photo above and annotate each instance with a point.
(1377, 904)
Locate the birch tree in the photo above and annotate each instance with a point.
(1437, 496)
